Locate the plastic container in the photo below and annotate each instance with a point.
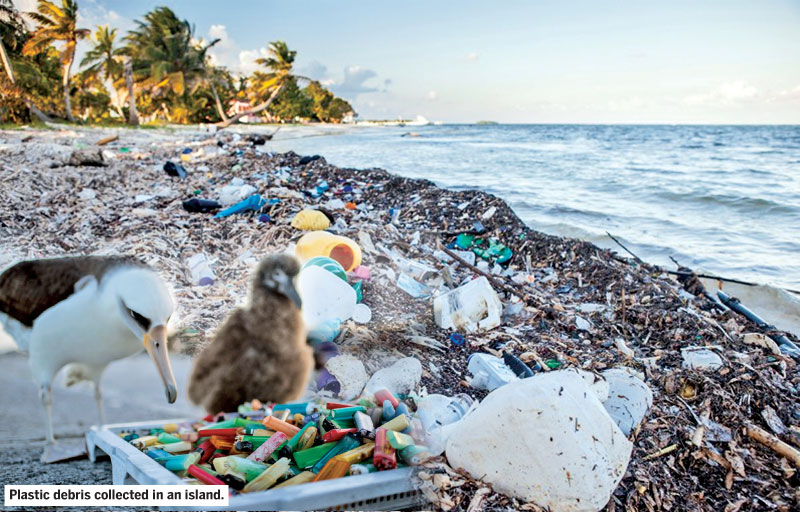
(489, 372)
(437, 413)
(327, 302)
(328, 264)
(321, 243)
(469, 308)
(200, 268)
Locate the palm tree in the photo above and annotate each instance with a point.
(104, 61)
(13, 28)
(57, 24)
(166, 59)
(279, 63)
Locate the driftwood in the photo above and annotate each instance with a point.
(772, 442)
(106, 140)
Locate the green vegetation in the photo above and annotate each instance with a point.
(157, 73)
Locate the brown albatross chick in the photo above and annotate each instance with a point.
(260, 351)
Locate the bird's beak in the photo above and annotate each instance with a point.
(287, 288)
(155, 342)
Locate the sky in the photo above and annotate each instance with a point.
(569, 61)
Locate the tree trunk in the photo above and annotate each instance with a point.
(220, 110)
(10, 73)
(254, 110)
(65, 84)
(133, 115)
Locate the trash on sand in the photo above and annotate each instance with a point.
(350, 373)
(582, 324)
(520, 369)
(311, 220)
(329, 264)
(90, 157)
(413, 287)
(328, 301)
(200, 268)
(489, 372)
(547, 440)
(399, 378)
(438, 414)
(236, 191)
(469, 308)
(87, 193)
(196, 205)
(762, 340)
(251, 204)
(629, 398)
(699, 358)
(322, 243)
(175, 170)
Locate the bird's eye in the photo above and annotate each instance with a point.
(143, 322)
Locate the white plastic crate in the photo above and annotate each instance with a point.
(384, 490)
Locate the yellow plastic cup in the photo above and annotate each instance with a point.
(321, 243)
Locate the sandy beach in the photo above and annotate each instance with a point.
(578, 302)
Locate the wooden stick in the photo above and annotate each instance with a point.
(770, 441)
(635, 257)
(488, 276)
(669, 449)
(110, 138)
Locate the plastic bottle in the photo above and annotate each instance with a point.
(201, 270)
(321, 243)
(437, 414)
(327, 301)
(489, 372)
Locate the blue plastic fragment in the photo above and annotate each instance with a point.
(251, 204)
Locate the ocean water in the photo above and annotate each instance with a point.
(722, 199)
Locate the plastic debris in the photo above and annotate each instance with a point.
(311, 220)
(413, 287)
(322, 243)
(200, 268)
(469, 308)
(629, 398)
(175, 170)
(328, 301)
(350, 374)
(489, 372)
(196, 205)
(251, 204)
(699, 358)
(399, 378)
(547, 440)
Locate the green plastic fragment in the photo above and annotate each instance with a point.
(309, 457)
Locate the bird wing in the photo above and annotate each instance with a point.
(31, 287)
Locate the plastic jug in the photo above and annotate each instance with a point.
(321, 243)
(489, 372)
(327, 301)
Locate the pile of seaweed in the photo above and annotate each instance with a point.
(567, 302)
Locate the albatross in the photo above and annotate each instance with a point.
(84, 312)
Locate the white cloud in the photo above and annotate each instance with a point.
(726, 94)
(433, 95)
(473, 56)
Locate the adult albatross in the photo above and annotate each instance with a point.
(85, 312)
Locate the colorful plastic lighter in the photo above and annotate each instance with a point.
(337, 405)
(301, 478)
(335, 468)
(293, 443)
(205, 449)
(384, 457)
(165, 438)
(362, 469)
(144, 441)
(308, 438)
(414, 455)
(281, 426)
(221, 432)
(263, 452)
(157, 453)
(384, 394)
(398, 440)
(180, 462)
(358, 454)
(366, 428)
(282, 415)
(203, 476)
(345, 445)
(249, 468)
(302, 408)
(222, 443)
(337, 434)
(398, 424)
(346, 413)
(170, 428)
(268, 478)
(309, 457)
(183, 446)
(388, 410)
